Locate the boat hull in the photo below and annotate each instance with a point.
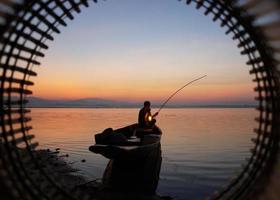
(134, 165)
(138, 174)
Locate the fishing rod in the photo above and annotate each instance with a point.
(179, 90)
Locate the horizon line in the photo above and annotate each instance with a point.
(171, 106)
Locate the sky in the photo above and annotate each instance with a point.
(132, 50)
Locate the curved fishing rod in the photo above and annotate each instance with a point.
(178, 91)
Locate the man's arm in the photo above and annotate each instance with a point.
(154, 115)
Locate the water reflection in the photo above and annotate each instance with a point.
(201, 148)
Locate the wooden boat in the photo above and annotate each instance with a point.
(135, 158)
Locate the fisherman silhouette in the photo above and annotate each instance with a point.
(145, 118)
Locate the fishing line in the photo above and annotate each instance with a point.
(179, 90)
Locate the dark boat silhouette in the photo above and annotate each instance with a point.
(135, 158)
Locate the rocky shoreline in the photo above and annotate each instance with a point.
(66, 176)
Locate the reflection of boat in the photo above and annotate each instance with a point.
(135, 158)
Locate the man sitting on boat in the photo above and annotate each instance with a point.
(145, 118)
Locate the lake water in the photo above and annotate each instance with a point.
(202, 148)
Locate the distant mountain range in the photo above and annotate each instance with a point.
(35, 102)
(79, 103)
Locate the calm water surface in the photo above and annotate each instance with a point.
(202, 148)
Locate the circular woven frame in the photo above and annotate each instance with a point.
(27, 26)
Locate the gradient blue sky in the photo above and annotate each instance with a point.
(143, 49)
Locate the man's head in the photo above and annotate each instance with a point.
(147, 104)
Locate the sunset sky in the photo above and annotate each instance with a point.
(136, 50)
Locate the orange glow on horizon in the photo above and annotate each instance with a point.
(134, 92)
